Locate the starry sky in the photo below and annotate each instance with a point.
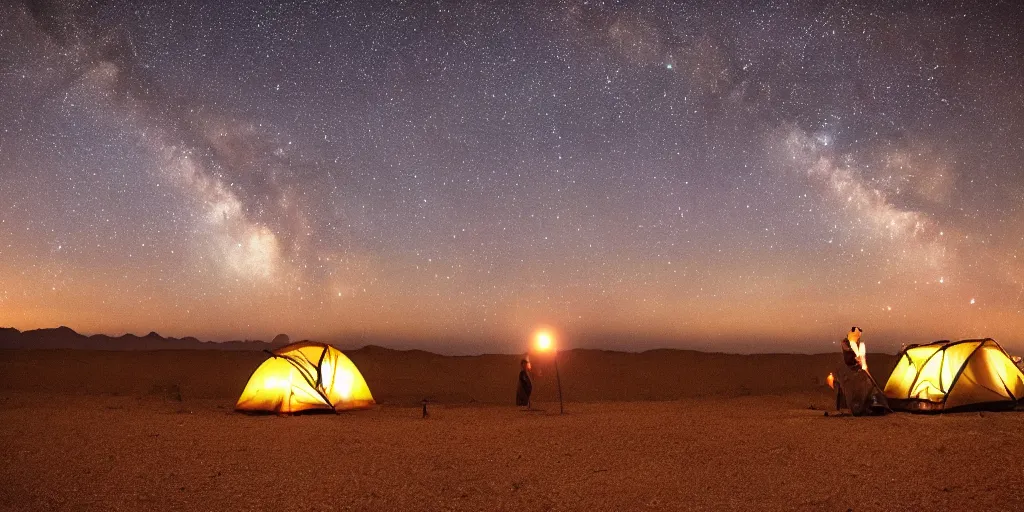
(738, 176)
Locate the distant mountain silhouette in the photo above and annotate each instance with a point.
(66, 338)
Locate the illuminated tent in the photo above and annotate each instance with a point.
(949, 375)
(305, 376)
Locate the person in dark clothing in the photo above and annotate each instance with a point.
(525, 387)
(853, 351)
(855, 389)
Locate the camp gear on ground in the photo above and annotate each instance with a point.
(305, 376)
(857, 391)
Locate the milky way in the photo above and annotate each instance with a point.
(453, 175)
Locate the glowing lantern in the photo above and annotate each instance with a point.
(543, 341)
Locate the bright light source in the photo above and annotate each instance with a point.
(543, 341)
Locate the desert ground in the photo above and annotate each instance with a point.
(661, 430)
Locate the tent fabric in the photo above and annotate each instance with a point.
(305, 376)
(948, 375)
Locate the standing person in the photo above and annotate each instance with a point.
(525, 387)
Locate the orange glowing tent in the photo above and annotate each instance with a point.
(968, 374)
(305, 376)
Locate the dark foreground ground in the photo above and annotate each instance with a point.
(662, 430)
(754, 453)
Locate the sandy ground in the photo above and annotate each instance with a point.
(407, 377)
(92, 450)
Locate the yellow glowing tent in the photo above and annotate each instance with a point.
(955, 375)
(305, 376)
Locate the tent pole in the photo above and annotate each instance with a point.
(558, 379)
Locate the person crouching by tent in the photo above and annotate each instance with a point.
(855, 389)
(525, 387)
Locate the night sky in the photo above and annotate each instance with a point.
(452, 175)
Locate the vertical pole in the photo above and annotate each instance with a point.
(558, 379)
